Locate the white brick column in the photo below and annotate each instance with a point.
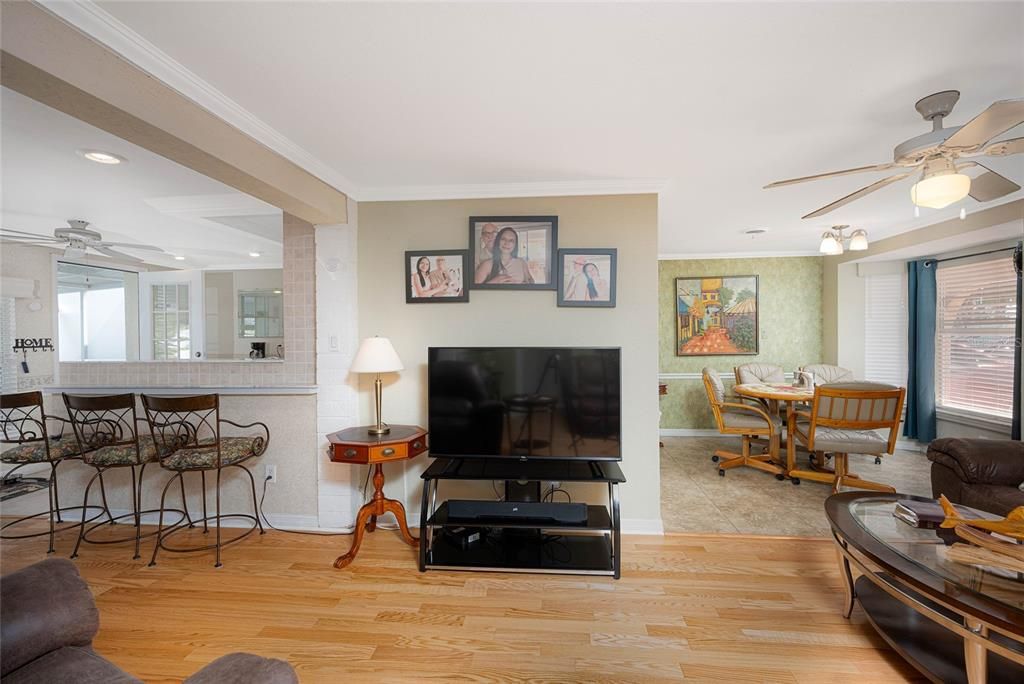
(337, 338)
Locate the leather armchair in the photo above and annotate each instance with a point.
(47, 623)
(980, 473)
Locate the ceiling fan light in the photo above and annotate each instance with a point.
(938, 192)
(830, 245)
(858, 240)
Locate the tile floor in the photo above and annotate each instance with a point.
(695, 499)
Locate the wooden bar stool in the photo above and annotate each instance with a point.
(187, 431)
(24, 423)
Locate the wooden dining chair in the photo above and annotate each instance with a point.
(749, 422)
(187, 430)
(825, 374)
(843, 419)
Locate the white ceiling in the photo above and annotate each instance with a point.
(45, 183)
(715, 100)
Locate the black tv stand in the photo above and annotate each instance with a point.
(508, 545)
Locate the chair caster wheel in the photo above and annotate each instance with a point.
(795, 480)
(721, 472)
(878, 460)
(714, 459)
(780, 477)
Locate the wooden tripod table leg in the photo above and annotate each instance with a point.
(366, 520)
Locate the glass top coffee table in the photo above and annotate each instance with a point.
(952, 621)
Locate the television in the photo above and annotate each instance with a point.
(557, 403)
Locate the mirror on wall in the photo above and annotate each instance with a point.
(112, 314)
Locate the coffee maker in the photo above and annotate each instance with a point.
(258, 350)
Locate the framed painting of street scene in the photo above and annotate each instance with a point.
(716, 316)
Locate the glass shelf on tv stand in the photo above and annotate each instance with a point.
(524, 546)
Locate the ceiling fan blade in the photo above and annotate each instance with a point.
(867, 190)
(34, 236)
(991, 185)
(832, 174)
(132, 245)
(998, 118)
(1004, 148)
(114, 253)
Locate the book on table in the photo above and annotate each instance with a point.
(929, 514)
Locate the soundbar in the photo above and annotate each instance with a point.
(525, 511)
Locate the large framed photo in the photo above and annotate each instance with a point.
(436, 276)
(716, 316)
(513, 252)
(586, 277)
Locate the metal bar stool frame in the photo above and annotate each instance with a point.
(185, 428)
(23, 421)
(101, 424)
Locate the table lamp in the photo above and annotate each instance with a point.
(376, 355)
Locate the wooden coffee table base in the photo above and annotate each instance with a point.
(366, 520)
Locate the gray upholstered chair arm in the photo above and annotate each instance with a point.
(44, 607)
(245, 668)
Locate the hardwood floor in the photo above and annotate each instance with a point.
(699, 608)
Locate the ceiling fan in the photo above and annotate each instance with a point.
(942, 155)
(77, 240)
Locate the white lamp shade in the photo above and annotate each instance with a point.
(940, 191)
(376, 355)
(830, 245)
(858, 240)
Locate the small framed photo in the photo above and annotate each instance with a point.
(436, 276)
(513, 252)
(587, 277)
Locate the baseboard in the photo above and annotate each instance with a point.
(642, 526)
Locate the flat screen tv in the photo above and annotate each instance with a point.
(525, 402)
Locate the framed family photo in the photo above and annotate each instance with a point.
(436, 276)
(587, 277)
(716, 316)
(513, 252)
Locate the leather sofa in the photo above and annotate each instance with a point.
(980, 473)
(48, 619)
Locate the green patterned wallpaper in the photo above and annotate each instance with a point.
(789, 322)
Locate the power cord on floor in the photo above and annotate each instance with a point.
(350, 531)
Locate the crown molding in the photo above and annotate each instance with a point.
(738, 255)
(623, 186)
(104, 28)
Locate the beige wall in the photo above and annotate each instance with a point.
(31, 263)
(628, 223)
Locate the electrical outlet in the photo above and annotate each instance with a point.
(555, 484)
(270, 473)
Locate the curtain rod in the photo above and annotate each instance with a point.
(929, 262)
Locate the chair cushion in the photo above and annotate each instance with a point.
(78, 664)
(825, 374)
(734, 418)
(122, 454)
(35, 452)
(998, 499)
(232, 450)
(846, 441)
(717, 388)
(750, 373)
(984, 461)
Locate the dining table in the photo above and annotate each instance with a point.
(781, 393)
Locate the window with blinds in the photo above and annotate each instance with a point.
(974, 336)
(885, 329)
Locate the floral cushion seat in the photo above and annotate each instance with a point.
(35, 452)
(122, 454)
(232, 450)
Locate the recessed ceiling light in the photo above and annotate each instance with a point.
(755, 231)
(101, 157)
(178, 257)
(254, 254)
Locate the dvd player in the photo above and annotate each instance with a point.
(525, 511)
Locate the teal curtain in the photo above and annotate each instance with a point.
(920, 424)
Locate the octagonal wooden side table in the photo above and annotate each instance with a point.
(356, 445)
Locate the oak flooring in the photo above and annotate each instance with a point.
(688, 608)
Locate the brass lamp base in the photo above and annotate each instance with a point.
(382, 430)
